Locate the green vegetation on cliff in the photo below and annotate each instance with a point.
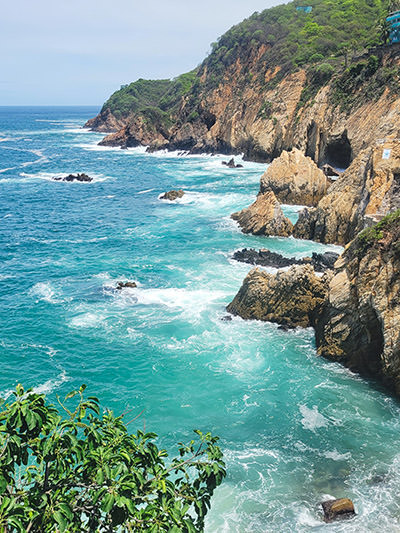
(389, 225)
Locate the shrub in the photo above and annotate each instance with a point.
(83, 471)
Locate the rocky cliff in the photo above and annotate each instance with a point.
(274, 82)
(367, 191)
(359, 322)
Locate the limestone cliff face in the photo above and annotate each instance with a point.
(295, 179)
(292, 298)
(359, 325)
(368, 190)
(256, 110)
(264, 217)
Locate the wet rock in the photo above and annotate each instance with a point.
(231, 163)
(264, 257)
(291, 298)
(295, 179)
(74, 177)
(264, 217)
(172, 195)
(226, 318)
(338, 509)
(126, 285)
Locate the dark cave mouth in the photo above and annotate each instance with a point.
(338, 152)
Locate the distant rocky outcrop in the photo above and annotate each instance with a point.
(368, 190)
(74, 177)
(359, 324)
(172, 195)
(126, 285)
(295, 179)
(231, 163)
(264, 217)
(320, 262)
(291, 298)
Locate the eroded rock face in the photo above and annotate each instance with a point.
(359, 324)
(368, 190)
(295, 179)
(292, 298)
(264, 217)
(172, 195)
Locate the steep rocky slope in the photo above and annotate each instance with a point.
(273, 82)
(359, 324)
(368, 190)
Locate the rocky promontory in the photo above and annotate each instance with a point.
(359, 323)
(295, 179)
(291, 298)
(264, 217)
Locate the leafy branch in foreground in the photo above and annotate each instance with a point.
(83, 471)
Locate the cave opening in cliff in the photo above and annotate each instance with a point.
(338, 152)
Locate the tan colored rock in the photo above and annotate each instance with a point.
(264, 217)
(291, 298)
(368, 190)
(338, 509)
(359, 324)
(295, 179)
(172, 195)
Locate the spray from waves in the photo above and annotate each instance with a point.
(312, 418)
(45, 292)
(44, 388)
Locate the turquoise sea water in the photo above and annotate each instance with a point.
(294, 428)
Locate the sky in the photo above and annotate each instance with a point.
(77, 52)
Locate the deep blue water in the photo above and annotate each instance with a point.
(294, 428)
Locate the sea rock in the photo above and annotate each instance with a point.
(125, 285)
(231, 163)
(320, 262)
(359, 323)
(338, 509)
(362, 195)
(264, 217)
(172, 195)
(291, 298)
(74, 177)
(295, 179)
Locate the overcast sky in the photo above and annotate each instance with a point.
(80, 51)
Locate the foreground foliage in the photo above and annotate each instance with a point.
(83, 471)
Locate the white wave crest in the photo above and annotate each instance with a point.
(312, 418)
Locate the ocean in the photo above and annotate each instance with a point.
(295, 429)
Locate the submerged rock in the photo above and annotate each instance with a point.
(126, 285)
(74, 177)
(292, 298)
(338, 509)
(295, 179)
(231, 163)
(264, 217)
(320, 262)
(172, 195)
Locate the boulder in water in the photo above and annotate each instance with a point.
(338, 509)
(231, 163)
(75, 177)
(126, 285)
(172, 195)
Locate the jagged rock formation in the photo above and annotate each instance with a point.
(368, 190)
(264, 217)
(295, 179)
(342, 508)
(74, 177)
(291, 298)
(320, 262)
(359, 323)
(172, 195)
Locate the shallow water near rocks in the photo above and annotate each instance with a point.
(294, 428)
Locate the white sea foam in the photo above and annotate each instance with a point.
(146, 191)
(51, 384)
(44, 291)
(336, 456)
(87, 320)
(312, 418)
(194, 300)
(49, 176)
